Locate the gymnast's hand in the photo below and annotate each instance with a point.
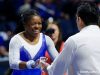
(36, 64)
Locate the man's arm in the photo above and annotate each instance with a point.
(61, 63)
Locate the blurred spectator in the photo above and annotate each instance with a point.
(25, 6)
(54, 31)
(4, 38)
(4, 43)
(47, 9)
(3, 56)
(3, 51)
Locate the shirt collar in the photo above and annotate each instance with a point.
(91, 27)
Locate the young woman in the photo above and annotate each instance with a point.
(54, 32)
(28, 46)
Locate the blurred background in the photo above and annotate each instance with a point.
(10, 20)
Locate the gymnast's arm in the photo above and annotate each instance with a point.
(14, 55)
(51, 48)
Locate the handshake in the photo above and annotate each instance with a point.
(39, 63)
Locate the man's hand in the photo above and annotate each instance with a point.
(43, 63)
(37, 62)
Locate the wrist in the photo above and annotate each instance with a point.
(30, 64)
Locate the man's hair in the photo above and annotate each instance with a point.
(88, 12)
(26, 16)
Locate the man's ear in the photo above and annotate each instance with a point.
(80, 20)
